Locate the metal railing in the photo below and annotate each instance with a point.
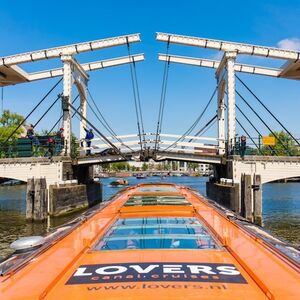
(36, 147)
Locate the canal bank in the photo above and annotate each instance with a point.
(281, 209)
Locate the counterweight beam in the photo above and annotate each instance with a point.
(228, 46)
(68, 50)
(214, 64)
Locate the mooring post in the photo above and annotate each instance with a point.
(36, 199)
(40, 200)
(257, 199)
(30, 194)
(246, 197)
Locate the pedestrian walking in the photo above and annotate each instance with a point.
(88, 139)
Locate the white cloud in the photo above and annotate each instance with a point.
(290, 43)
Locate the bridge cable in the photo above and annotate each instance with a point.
(139, 101)
(201, 131)
(57, 122)
(253, 126)
(209, 126)
(244, 84)
(162, 98)
(105, 123)
(191, 128)
(78, 116)
(21, 123)
(97, 131)
(137, 104)
(280, 141)
(248, 135)
(77, 111)
(49, 108)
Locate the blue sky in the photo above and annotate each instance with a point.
(32, 25)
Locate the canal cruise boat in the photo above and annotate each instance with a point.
(153, 241)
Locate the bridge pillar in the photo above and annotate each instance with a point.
(67, 95)
(225, 74)
(83, 99)
(230, 62)
(221, 116)
(241, 194)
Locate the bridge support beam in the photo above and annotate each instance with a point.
(83, 99)
(221, 116)
(225, 75)
(73, 72)
(230, 62)
(67, 96)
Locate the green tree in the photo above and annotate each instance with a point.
(193, 166)
(133, 168)
(284, 145)
(9, 122)
(144, 167)
(105, 167)
(159, 167)
(74, 146)
(120, 166)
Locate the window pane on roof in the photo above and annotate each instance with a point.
(157, 233)
(155, 188)
(142, 200)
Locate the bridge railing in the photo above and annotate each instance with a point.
(165, 142)
(38, 146)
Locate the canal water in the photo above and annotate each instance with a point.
(281, 209)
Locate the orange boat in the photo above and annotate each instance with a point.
(153, 241)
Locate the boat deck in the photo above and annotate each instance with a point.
(155, 241)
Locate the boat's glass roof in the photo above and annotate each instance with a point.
(157, 188)
(142, 200)
(157, 233)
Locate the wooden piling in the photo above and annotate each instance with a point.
(257, 199)
(36, 199)
(246, 197)
(30, 199)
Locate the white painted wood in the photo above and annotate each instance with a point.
(228, 46)
(214, 64)
(92, 66)
(68, 49)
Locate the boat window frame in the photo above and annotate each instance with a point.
(202, 241)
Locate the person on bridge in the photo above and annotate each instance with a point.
(36, 145)
(51, 144)
(59, 140)
(30, 132)
(243, 146)
(88, 139)
(60, 133)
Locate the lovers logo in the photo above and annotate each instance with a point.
(139, 272)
